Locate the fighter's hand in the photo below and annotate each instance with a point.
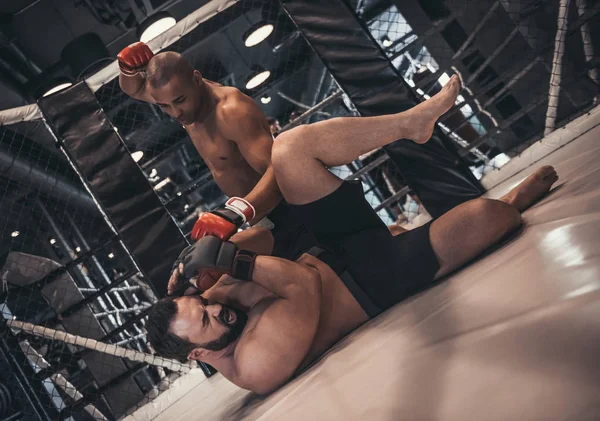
(134, 58)
(205, 262)
(178, 285)
(225, 221)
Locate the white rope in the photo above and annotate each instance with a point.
(60, 381)
(16, 115)
(555, 77)
(110, 72)
(181, 28)
(102, 347)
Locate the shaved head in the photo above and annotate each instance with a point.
(164, 66)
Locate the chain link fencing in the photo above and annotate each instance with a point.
(527, 67)
(72, 300)
(66, 276)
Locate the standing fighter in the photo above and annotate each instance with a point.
(231, 134)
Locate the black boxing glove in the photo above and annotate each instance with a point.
(213, 257)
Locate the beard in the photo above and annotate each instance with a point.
(235, 330)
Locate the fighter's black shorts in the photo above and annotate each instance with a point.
(379, 269)
(292, 237)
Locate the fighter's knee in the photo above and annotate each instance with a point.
(506, 216)
(280, 154)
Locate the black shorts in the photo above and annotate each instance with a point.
(292, 237)
(383, 269)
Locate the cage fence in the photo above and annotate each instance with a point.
(516, 59)
(527, 68)
(72, 298)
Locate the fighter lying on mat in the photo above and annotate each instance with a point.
(231, 134)
(273, 317)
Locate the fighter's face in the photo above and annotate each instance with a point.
(180, 98)
(211, 326)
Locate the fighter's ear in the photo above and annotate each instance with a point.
(197, 77)
(197, 354)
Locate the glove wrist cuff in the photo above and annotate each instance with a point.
(243, 265)
(242, 207)
(126, 71)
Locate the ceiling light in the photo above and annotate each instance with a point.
(153, 173)
(265, 99)
(15, 234)
(179, 193)
(77, 249)
(57, 87)
(111, 255)
(386, 41)
(257, 77)
(52, 241)
(155, 25)
(257, 33)
(137, 155)
(186, 207)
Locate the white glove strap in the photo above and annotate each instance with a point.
(242, 207)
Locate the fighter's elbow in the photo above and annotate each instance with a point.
(265, 389)
(261, 383)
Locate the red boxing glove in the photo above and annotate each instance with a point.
(225, 221)
(134, 58)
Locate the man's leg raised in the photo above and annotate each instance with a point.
(301, 156)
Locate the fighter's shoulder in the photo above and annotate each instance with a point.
(234, 104)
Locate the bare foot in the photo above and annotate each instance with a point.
(532, 188)
(423, 117)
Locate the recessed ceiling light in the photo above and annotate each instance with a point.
(257, 77)
(386, 41)
(15, 234)
(52, 241)
(111, 255)
(265, 99)
(257, 33)
(155, 25)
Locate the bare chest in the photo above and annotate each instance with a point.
(219, 153)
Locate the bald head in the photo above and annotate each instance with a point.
(164, 66)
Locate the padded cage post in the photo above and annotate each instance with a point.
(434, 171)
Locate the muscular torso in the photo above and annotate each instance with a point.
(340, 313)
(231, 172)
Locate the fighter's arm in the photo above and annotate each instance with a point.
(133, 60)
(243, 122)
(240, 294)
(273, 349)
(135, 86)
